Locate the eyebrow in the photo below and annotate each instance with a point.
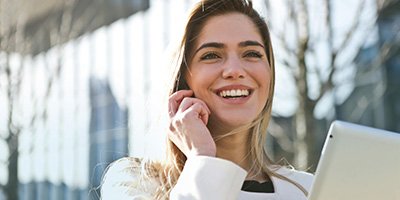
(211, 44)
(250, 43)
(221, 45)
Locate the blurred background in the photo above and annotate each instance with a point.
(82, 83)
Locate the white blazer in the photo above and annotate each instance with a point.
(203, 178)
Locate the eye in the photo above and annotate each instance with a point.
(253, 54)
(210, 56)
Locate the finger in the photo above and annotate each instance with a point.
(198, 111)
(175, 100)
(188, 102)
(204, 117)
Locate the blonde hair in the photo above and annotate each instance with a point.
(168, 171)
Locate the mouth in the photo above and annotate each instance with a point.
(234, 93)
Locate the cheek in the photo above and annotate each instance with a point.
(263, 75)
(200, 79)
(191, 78)
(196, 83)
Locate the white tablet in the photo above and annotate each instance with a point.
(358, 163)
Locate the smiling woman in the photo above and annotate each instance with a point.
(219, 107)
(230, 59)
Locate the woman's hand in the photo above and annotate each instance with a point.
(188, 118)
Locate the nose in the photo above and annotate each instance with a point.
(234, 68)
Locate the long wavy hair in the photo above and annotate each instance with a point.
(169, 171)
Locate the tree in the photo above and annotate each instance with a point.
(27, 30)
(317, 46)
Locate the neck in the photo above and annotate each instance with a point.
(236, 148)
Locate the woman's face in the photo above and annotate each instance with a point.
(229, 70)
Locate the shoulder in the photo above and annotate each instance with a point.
(124, 165)
(205, 177)
(123, 179)
(304, 179)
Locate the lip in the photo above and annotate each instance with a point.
(234, 87)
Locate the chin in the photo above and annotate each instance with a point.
(232, 120)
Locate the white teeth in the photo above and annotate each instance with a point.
(234, 93)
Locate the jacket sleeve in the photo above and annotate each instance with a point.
(209, 178)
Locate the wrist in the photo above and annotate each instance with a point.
(209, 153)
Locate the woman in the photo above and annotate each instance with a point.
(219, 108)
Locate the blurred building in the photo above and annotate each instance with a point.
(389, 32)
(89, 70)
(108, 132)
(80, 126)
(375, 100)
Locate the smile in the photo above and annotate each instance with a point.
(234, 93)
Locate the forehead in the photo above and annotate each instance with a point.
(229, 28)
